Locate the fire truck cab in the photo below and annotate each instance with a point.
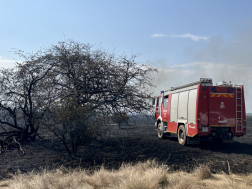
(200, 110)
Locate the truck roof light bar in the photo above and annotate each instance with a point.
(202, 80)
(205, 80)
(224, 83)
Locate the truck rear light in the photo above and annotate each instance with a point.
(198, 118)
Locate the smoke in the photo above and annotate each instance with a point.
(222, 59)
(6, 63)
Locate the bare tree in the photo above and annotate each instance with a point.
(25, 95)
(95, 85)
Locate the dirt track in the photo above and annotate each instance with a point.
(132, 144)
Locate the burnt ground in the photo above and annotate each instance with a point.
(132, 144)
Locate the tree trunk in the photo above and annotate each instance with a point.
(24, 135)
(33, 133)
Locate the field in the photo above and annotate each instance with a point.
(133, 144)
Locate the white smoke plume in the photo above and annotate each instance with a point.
(220, 59)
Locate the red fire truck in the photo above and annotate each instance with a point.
(200, 111)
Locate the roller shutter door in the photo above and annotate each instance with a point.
(192, 106)
(182, 107)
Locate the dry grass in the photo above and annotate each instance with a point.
(147, 175)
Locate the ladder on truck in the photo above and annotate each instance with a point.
(238, 114)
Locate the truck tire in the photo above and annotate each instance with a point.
(160, 131)
(182, 135)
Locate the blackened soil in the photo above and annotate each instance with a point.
(132, 144)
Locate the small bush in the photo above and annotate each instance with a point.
(203, 172)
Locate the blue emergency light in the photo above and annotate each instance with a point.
(212, 88)
(162, 92)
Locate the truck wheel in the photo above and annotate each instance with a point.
(160, 131)
(182, 135)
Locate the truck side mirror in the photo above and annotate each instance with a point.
(153, 101)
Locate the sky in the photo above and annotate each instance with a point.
(185, 40)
